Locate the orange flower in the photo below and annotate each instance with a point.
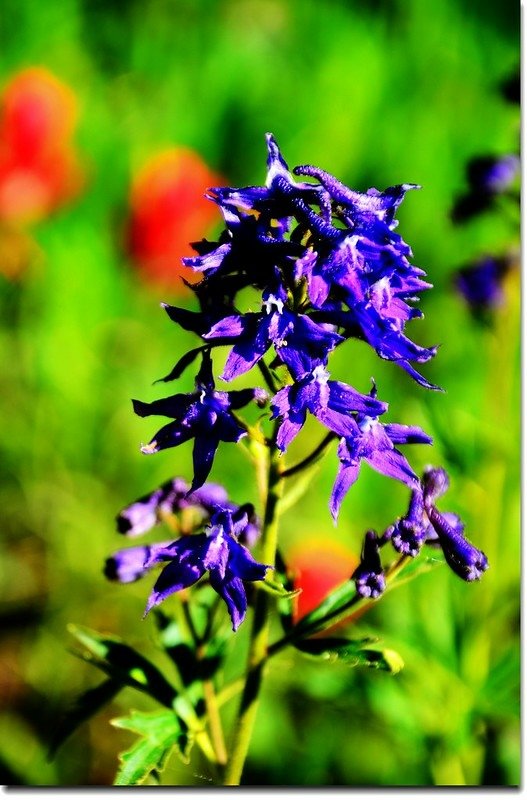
(168, 211)
(319, 566)
(39, 168)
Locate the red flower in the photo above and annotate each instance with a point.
(39, 167)
(168, 211)
(319, 566)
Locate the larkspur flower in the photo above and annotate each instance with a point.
(328, 265)
(170, 498)
(481, 283)
(423, 525)
(369, 575)
(464, 558)
(204, 415)
(374, 442)
(488, 177)
(331, 402)
(409, 533)
(221, 550)
(299, 342)
(131, 563)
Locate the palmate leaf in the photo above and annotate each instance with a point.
(159, 734)
(123, 664)
(86, 706)
(366, 652)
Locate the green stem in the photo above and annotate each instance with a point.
(257, 657)
(318, 451)
(302, 631)
(216, 730)
(267, 376)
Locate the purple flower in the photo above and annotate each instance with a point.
(247, 253)
(299, 342)
(173, 496)
(481, 283)
(410, 532)
(217, 552)
(374, 442)
(275, 200)
(435, 483)
(488, 177)
(369, 575)
(331, 402)
(492, 174)
(204, 415)
(424, 524)
(467, 561)
(132, 563)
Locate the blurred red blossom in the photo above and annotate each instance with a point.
(318, 566)
(168, 210)
(39, 166)
(40, 170)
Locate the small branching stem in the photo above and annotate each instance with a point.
(257, 657)
(313, 456)
(216, 729)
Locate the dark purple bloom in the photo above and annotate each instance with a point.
(410, 532)
(381, 205)
(217, 552)
(374, 442)
(466, 560)
(488, 177)
(369, 575)
(132, 563)
(247, 252)
(491, 174)
(435, 483)
(331, 402)
(170, 498)
(424, 524)
(299, 342)
(481, 283)
(204, 415)
(275, 200)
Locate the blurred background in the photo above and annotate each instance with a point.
(115, 117)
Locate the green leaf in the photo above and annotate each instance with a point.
(86, 706)
(414, 567)
(123, 664)
(284, 604)
(159, 733)
(278, 589)
(365, 652)
(339, 597)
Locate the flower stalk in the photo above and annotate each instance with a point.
(258, 647)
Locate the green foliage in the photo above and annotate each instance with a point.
(86, 706)
(354, 653)
(159, 734)
(122, 663)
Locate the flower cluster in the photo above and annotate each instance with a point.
(219, 547)
(326, 264)
(422, 525)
